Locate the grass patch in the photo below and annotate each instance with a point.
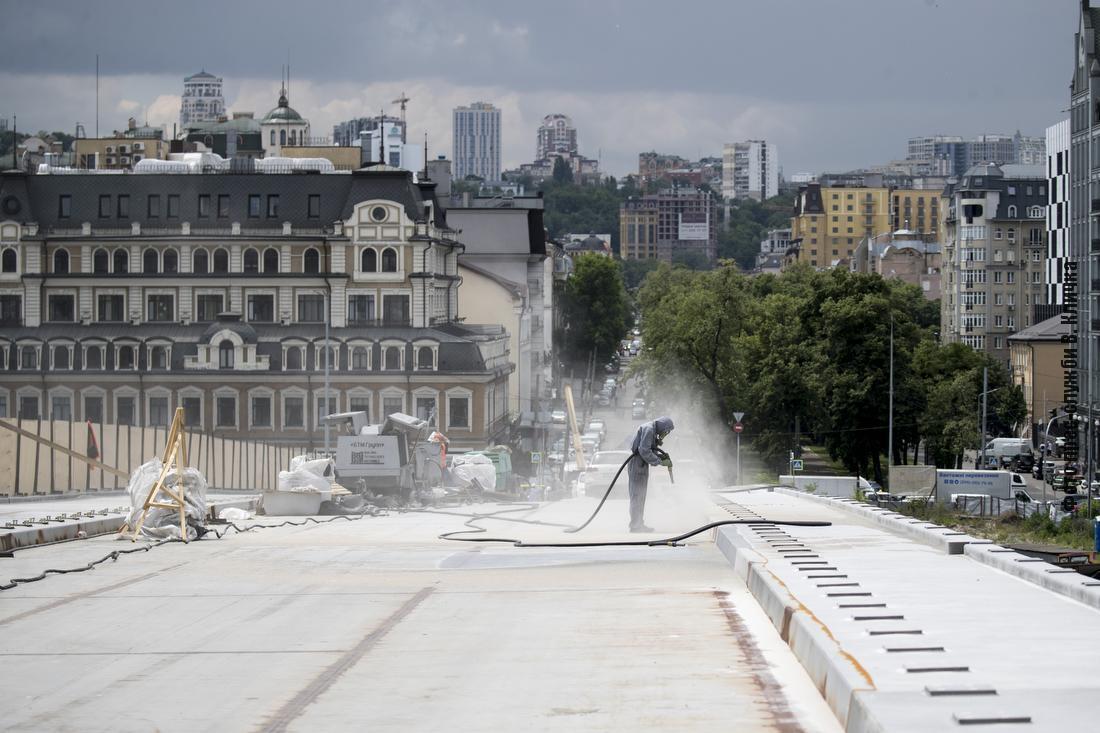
(1040, 529)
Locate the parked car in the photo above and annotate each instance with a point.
(597, 425)
(597, 477)
(557, 416)
(637, 412)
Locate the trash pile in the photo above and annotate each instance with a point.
(161, 523)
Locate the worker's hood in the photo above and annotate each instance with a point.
(663, 425)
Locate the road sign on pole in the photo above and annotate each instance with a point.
(737, 427)
(796, 464)
(737, 416)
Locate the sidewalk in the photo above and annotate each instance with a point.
(902, 637)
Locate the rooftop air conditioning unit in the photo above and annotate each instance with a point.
(110, 149)
(139, 146)
(123, 148)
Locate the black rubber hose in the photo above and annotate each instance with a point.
(605, 495)
(667, 541)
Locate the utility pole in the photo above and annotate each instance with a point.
(985, 408)
(890, 429)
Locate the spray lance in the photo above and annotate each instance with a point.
(666, 460)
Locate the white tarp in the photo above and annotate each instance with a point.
(466, 468)
(165, 523)
(307, 474)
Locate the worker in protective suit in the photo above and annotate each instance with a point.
(646, 452)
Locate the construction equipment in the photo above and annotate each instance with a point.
(394, 458)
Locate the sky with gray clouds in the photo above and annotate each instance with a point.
(836, 84)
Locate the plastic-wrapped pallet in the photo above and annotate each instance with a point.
(467, 468)
(302, 489)
(165, 523)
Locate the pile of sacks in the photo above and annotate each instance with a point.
(474, 470)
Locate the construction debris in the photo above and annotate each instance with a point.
(162, 522)
(302, 489)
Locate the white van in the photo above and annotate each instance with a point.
(1007, 447)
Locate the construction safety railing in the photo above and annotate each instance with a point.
(41, 457)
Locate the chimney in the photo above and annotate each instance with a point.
(439, 170)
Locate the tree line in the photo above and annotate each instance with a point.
(806, 356)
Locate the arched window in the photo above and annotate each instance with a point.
(282, 137)
(1011, 212)
(158, 358)
(122, 261)
(360, 358)
(149, 261)
(311, 261)
(272, 137)
(101, 262)
(9, 260)
(271, 260)
(171, 261)
(125, 357)
(393, 358)
(389, 260)
(200, 261)
(225, 355)
(221, 260)
(93, 357)
(61, 262)
(293, 136)
(251, 260)
(425, 358)
(61, 357)
(293, 358)
(368, 260)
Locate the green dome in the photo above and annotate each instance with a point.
(283, 113)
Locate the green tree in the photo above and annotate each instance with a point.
(635, 271)
(563, 173)
(595, 309)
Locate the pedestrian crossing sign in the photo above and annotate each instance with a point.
(796, 465)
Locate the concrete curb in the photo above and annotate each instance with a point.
(60, 531)
(1061, 580)
(1065, 581)
(837, 676)
(934, 535)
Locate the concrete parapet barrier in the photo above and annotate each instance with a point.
(836, 673)
(1048, 576)
(942, 538)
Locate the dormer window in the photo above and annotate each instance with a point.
(226, 355)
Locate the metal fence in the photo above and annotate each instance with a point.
(52, 457)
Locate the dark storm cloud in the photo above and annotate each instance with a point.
(875, 71)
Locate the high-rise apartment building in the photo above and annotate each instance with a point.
(750, 169)
(1057, 210)
(994, 247)
(476, 131)
(556, 135)
(668, 226)
(953, 155)
(202, 100)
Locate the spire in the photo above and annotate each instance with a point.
(382, 137)
(426, 156)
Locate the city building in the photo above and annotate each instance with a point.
(283, 126)
(951, 155)
(669, 226)
(240, 137)
(122, 149)
(585, 170)
(1084, 237)
(556, 134)
(125, 296)
(1036, 355)
(652, 165)
(829, 221)
(994, 247)
(350, 132)
(507, 278)
(202, 101)
(903, 255)
(1057, 211)
(476, 130)
(387, 144)
(750, 169)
